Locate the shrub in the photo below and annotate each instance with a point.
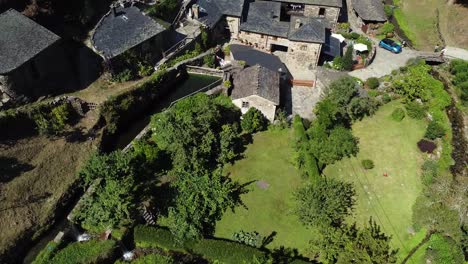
(386, 98)
(155, 237)
(227, 84)
(144, 69)
(54, 122)
(426, 146)
(398, 114)
(348, 59)
(227, 50)
(386, 28)
(226, 252)
(85, 252)
(352, 35)
(434, 130)
(388, 11)
(252, 239)
(415, 110)
(209, 61)
(372, 83)
(253, 121)
(338, 63)
(367, 164)
(429, 171)
(124, 76)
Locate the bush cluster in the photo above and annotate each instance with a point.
(155, 237)
(415, 110)
(386, 28)
(372, 83)
(426, 146)
(459, 68)
(434, 130)
(47, 253)
(253, 121)
(398, 114)
(252, 239)
(53, 122)
(367, 164)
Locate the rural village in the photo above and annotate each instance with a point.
(234, 131)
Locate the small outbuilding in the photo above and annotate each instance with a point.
(257, 87)
(32, 59)
(369, 12)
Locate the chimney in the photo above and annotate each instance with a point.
(196, 11)
(298, 24)
(114, 10)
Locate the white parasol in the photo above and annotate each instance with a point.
(360, 47)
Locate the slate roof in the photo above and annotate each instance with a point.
(116, 34)
(252, 57)
(211, 11)
(257, 80)
(332, 3)
(264, 18)
(21, 39)
(332, 46)
(370, 10)
(312, 30)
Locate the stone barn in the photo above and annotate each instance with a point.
(257, 87)
(125, 28)
(32, 59)
(368, 12)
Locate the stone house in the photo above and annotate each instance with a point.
(326, 9)
(219, 15)
(367, 12)
(126, 28)
(32, 59)
(257, 87)
(301, 38)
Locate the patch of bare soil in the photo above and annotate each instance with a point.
(36, 176)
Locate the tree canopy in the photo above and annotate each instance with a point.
(323, 203)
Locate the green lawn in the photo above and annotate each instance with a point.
(268, 210)
(388, 200)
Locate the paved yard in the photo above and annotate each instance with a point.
(304, 100)
(384, 63)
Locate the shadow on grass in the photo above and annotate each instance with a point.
(11, 168)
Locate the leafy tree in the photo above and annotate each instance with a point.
(342, 91)
(362, 106)
(110, 206)
(348, 244)
(348, 59)
(53, 122)
(416, 83)
(333, 146)
(116, 165)
(202, 198)
(253, 121)
(434, 130)
(325, 202)
(190, 131)
(230, 143)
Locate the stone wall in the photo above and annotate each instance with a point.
(302, 54)
(267, 108)
(331, 13)
(233, 24)
(50, 72)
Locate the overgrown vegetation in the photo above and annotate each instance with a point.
(86, 252)
(459, 68)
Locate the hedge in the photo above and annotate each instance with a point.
(211, 249)
(86, 252)
(226, 252)
(300, 136)
(153, 259)
(154, 237)
(47, 253)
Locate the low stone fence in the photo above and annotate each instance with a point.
(205, 71)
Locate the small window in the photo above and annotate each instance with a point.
(245, 104)
(274, 38)
(261, 36)
(247, 33)
(304, 47)
(322, 12)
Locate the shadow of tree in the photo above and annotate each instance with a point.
(11, 168)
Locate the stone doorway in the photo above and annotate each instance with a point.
(276, 47)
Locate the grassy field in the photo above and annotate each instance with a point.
(36, 172)
(268, 210)
(388, 200)
(418, 19)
